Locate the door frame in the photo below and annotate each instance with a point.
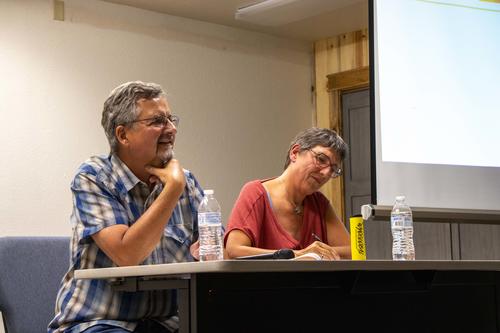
(339, 83)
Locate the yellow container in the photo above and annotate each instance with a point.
(358, 245)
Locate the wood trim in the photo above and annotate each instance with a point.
(337, 84)
(347, 80)
(346, 55)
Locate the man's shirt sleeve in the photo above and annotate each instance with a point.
(95, 207)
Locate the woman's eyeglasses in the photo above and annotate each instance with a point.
(323, 161)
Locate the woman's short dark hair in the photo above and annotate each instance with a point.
(316, 136)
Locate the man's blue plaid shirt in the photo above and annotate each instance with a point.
(105, 193)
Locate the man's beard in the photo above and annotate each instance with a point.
(167, 155)
(163, 156)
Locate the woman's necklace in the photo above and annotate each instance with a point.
(298, 209)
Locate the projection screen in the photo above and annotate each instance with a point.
(436, 102)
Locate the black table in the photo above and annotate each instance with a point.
(323, 296)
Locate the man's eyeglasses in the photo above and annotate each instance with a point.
(323, 161)
(160, 121)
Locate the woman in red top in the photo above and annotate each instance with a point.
(288, 211)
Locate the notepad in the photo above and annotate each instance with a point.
(308, 256)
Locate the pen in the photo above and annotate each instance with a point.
(316, 237)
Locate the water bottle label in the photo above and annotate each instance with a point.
(209, 218)
(397, 220)
(401, 219)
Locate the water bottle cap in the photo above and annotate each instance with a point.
(208, 192)
(400, 198)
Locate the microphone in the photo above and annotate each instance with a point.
(279, 254)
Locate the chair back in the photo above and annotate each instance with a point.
(31, 269)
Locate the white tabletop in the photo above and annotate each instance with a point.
(244, 266)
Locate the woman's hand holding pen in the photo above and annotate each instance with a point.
(325, 251)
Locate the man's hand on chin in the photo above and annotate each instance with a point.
(171, 174)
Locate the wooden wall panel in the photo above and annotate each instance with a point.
(322, 95)
(347, 50)
(333, 56)
(337, 54)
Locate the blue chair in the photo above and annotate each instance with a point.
(31, 269)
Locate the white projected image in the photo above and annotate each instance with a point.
(439, 82)
(436, 84)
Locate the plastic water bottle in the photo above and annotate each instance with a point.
(402, 231)
(210, 228)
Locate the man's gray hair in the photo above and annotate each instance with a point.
(120, 108)
(315, 136)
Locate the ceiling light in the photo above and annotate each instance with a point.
(280, 12)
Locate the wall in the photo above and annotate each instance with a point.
(241, 97)
(342, 53)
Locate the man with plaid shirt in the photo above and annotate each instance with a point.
(136, 206)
